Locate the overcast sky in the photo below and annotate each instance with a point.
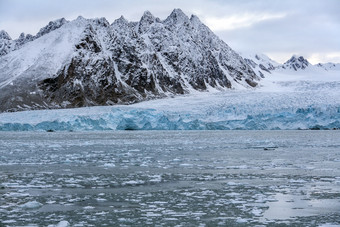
(278, 28)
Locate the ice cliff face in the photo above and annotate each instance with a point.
(317, 107)
(89, 62)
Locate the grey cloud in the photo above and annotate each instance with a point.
(280, 34)
(310, 26)
(313, 27)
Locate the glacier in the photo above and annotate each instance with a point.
(310, 117)
(286, 104)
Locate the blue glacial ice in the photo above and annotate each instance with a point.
(220, 111)
(277, 105)
(150, 119)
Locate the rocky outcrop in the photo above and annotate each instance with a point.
(52, 25)
(5, 43)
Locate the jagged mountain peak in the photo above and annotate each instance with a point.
(177, 16)
(80, 18)
(21, 36)
(81, 21)
(296, 62)
(52, 25)
(23, 39)
(8, 45)
(297, 58)
(177, 13)
(4, 35)
(147, 15)
(146, 20)
(121, 20)
(121, 25)
(87, 62)
(101, 21)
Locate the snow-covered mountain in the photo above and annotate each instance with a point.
(7, 44)
(89, 62)
(329, 66)
(263, 65)
(296, 63)
(260, 63)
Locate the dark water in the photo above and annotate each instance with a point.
(169, 178)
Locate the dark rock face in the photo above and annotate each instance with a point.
(128, 62)
(80, 88)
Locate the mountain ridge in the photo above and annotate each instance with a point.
(89, 62)
(264, 66)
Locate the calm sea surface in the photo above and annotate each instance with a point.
(168, 178)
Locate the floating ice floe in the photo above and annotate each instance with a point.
(31, 205)
(61, 224)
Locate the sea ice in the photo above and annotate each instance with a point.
(61, 224)
(31, 205)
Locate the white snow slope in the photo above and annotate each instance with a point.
(301, 100)
(46, 55)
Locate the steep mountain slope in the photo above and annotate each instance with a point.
(8, 45)
(89, 62)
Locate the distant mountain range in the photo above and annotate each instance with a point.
(263, 65)
(89, 62)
